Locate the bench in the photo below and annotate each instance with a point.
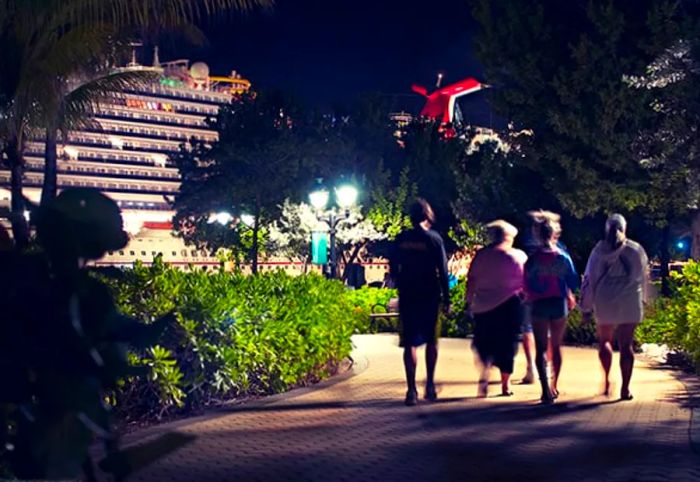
(390, 310)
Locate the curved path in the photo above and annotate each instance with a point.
(356, 428)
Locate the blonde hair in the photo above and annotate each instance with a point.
(499, 230)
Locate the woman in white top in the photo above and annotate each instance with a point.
(614, 289)
(494, 285)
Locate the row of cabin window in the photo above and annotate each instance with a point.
(190, 95)
(103, 170)
(160, 106)
(39, 150)
(112, 185)
(157, 132)
(194, 253)
(98, 140)
(123, 172)
(157, 118)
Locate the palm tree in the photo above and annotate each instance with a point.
(47, 42)
(77, 99)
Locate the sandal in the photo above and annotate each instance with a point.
(627, 396)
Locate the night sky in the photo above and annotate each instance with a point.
(326, 52)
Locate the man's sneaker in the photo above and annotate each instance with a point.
(430, 393)
(411, 398)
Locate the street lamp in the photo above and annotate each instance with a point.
(225, 218)
(345, 197)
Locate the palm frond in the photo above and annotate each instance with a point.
(166, 13)
(85, 98)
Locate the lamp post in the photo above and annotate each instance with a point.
(345, 197)
(225, 218)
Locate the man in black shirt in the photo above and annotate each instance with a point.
(419, 267)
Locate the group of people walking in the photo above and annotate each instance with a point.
(512, 292)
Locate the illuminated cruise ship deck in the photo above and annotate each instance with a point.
(125, 153)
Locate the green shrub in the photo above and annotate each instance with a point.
(675, 321)
(365, 299)
(234, 334)
(578, 333)
(456, 324)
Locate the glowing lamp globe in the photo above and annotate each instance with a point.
(319, 198)
(346, 195)
(223, 218)
(248, 220)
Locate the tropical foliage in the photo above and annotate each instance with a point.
(251, 169)
(675, 321)
(235, 335)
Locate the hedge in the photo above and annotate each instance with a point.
(234, 335)
(675, 321)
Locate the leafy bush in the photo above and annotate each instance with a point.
(364, 299)
(367, 300)
(676, 320)
(578, 333)
(456, 324)
(234, 335)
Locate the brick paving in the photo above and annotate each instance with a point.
(357, 428)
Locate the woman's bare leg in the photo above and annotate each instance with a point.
(483, 389)
(541, 330)
(505, 384)
(625, 340)
(557, 335)
(529, 349)
(605, 353)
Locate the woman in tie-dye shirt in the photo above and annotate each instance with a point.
(550, 280)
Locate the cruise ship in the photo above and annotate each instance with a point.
(126, 154)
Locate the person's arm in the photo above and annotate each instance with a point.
(573, 281)
(647, 287)
(590, 277)
(442, 272)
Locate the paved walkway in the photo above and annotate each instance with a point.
(357, 429)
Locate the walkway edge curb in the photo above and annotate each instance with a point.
(359, 364)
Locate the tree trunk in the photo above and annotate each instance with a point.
(665, 258)
(256, 229)
(20, 227)
(351, 259)
(49, 188)
(695, 242)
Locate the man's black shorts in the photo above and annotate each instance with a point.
(418, 318)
